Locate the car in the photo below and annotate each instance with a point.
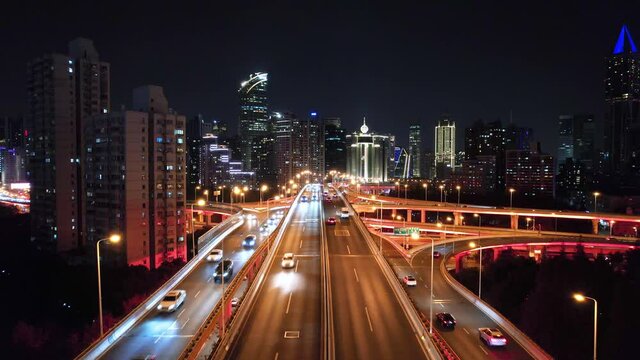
(445, 320)
(172, 300)
(224, 269)
(235, 302)
(251, 216)
(344, 213)
(288, 261)
(492, 337)
(249, 241)
(264, 227)
(215, 255)
(331, 221)
(280, 213)
(436, 254)
(409, 280)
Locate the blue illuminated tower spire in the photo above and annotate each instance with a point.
(620, 44)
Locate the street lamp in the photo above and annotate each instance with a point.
(511, 191)
(458, 188)
(582, 298)
(263, 188)
(441, 187)
(242, 197)
(397, 188)
(479, 222)
(195, 191)
(611, 227)
(200, 202)
(528, 221)
(404, 226)
(114, 239)
(405, 191)
(236, 191)
(206, 193)
(474, 245)
(595, 201)
(425, 186)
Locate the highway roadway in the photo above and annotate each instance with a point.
(464, 339)
(369, 322)
(165, 335)
(284, 322)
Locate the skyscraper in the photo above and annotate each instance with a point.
(622, 122)
(335, 146)
(195, 133)
(415, 150)
(445, 147)
(135, 168)
(62, 91)
(367, 155)
(313, 144)
(288, 145)
(253, 122)
(530, 172)
(565, 139)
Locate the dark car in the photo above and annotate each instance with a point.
(436, 254)
(445, 320)
(331, 221)
(249, 241)
(224, 268)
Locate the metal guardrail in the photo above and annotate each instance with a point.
(529, 345)
(328, 341)
(214, 235)
(426, 343)
(241, 315)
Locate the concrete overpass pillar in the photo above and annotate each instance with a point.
(594, 224)
(459, 258)
(514, 222)
(423, 216)
(457, 218)
(393, 214)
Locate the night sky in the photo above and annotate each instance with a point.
(392, 63)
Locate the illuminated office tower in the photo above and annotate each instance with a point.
(445, 147)
(253, 122)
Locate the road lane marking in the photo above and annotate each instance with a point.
(368, 318)
(198, 293)
(348, 250)
(303, 227)
(300, 247)
(291, 334)
(289, 303)
(209, 279)
(185, 323)
(355, 272)
(183, 310)
(483, 350)
(442, 305)
(467, 331)
(276, 358)
(297, 262)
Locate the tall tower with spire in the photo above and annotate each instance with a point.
(622, 121)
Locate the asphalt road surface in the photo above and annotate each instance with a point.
(284, 322)
(165, 335)
(464, 339)
(369, 322)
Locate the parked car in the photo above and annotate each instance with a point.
(492, 337)
(172, 300)
(409, 280)
(445, 320)
(215, 255)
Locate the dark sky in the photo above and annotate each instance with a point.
(395, 62)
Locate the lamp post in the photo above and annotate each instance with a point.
(528, 221)
(206, 193)
(582, 298)
(236, 191)
(397, 188)
(511, 191)
(404, 226)
(441, 187)
(425, 186)
(479, 222)
(200, 202)
(115, 238)
(195, 192)
(611, 227)
(595, 201)
(263, 188)
(405, 191)
(242, 197)
(458, 188)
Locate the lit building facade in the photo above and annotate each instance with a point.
(253, 122)
(445, 147)
(313, 144)
(135, 171)
(622, 122)
(335, 146)
(62, 91)
(530, 173)
(415, 150)
(368, 155)
(477, 176)
(287, 132)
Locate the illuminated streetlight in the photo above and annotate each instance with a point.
(426, 187)
(511, 191)
(114, 239)
(458, 188)
(595, 201)
(263, 188)
(206, 193)
(611, 227)
(581, 298)
(195, 191)
(200, 202)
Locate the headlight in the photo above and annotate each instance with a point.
(226, 273)
(172, 306)
(159, 307)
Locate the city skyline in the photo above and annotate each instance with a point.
(366, 88)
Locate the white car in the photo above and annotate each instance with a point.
(234, 302)
(264, 228)
(251, 217)
(492, 337)
(409, 280)
(172, 300)
(215, 255)
(288, 261)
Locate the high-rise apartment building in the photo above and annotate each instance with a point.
(403, 164)
(313, 144)
(415, 150)
(195, 133)
(445, 147)
(622, 122)
(368, 155)
(62, 91)
(565, 139)
(335, 146)
(287, 131)
(253, 122)
(477, 176)
(530, 173)
(135, 167)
